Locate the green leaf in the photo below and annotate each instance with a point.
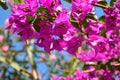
(65, 74)
(102, 18)
(91, 16)
(1, 30)
(103, 2)
(44, 18)
(41, 9)
(69, 1)
(74, 22)
(18, 1)
(117, 67)
(117, 32)
(46, 14)
(112, 2)
(36, 24)
(30, 19)
(3, 4)
(103, 32)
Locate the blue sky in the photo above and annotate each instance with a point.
(3, 15)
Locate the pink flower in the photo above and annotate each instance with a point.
(73, 44)
(94, 27)
(86, 56)
(1, 74)
(59, 44)
(62, 78)
(80, 9)
(118, 4)
(99, 43)
(69, 34)
(53, 57)
(18, 23)
(62, 23)
(80, 75)
(27, 9)
(50, 4)
(5, 48)
(41, 60)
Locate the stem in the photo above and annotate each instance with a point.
(118, 64)
(99, 5)
(34, 69)
(74, 66)
(86, 71)
(74, 21)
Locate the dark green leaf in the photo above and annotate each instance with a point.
(65, 74)
(91, 16)
(3, 4)
(103, 32)
(112, 2)
(103, 2)
(102, 18)
(1, 30)
(69, 1)
(74, 22)
(36, 24)
(44, 18)
(30, 19)
(117, 67)
(41, 9)
(46, 13)
(117, 32)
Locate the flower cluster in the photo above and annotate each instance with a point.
(58, 28)
(90, 74)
